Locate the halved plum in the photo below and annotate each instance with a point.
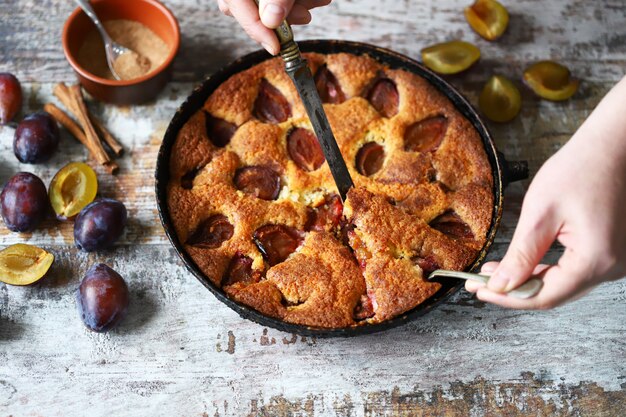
(240, 270)
(500, 99)
(384, 97)
(450, 57)
(328, 87)
(219, 130)
(270, 105)
(551, 80)
(304, 149)
(211, 233)
(276, 242)
(370, 158)
(488, 18)
(425, 135)
(260, 181)
(73, 187)
(22, 264)
(450, 223)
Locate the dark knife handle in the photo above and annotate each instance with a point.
(289, 50)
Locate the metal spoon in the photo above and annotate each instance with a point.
(528, 289)
(112, 49)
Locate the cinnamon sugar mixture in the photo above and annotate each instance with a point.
(151, 50)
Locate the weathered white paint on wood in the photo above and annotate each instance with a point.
(181, 352)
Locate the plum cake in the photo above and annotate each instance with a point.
(253, 202)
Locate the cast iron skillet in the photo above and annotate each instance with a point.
(503, 173)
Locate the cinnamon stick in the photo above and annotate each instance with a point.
(108, 138)
(78, 103)
(111, 167)
(62, 92)
(68, 123)
(71, 126)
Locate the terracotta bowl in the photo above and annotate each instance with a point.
(150, 13)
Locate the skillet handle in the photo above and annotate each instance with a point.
(512, 170)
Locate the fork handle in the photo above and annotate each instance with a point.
(527, 290)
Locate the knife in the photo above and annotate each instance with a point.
(300, 73)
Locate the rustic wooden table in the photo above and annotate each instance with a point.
(181, 352)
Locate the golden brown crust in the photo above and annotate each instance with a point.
(192, 148)
(419, 209)
(263, 296)
(396, 286)
(322, 282)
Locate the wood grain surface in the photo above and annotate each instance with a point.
(180, 352)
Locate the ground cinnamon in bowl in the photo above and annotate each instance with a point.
(150, 50)
(131, 65)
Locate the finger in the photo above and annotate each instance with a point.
(535, 232)
(224, 8)
(489, 267)
(273, 12)
(247, 14)
(473, 286)
(299, 15)
(565, 281)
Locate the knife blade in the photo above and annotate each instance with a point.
(300, 73)
(302, 78)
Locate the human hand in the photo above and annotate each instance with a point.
(578, 197)
(272, 13)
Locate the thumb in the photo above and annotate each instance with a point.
(535, 232)
(273, 12)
